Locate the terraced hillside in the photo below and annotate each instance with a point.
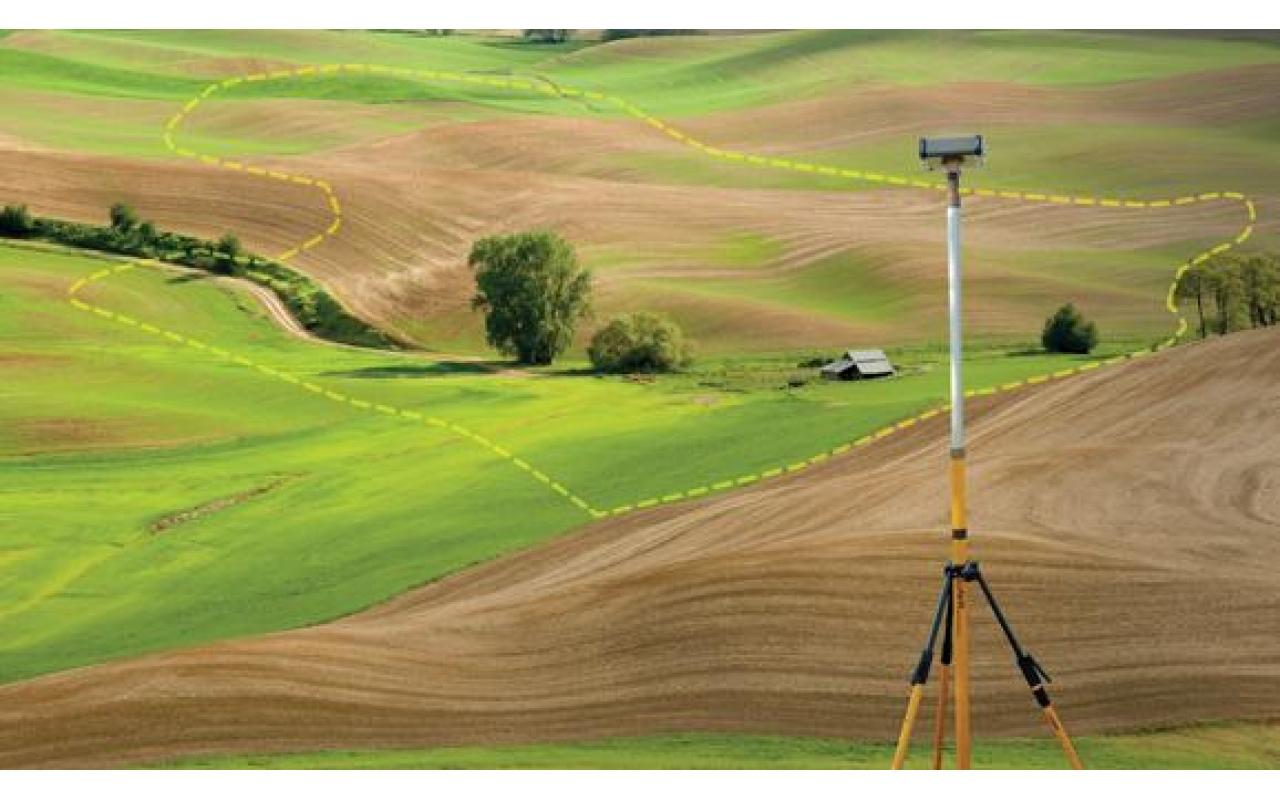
(748, 259)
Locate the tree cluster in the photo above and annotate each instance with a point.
(534, 294)
(1233, 292)
(547, 35)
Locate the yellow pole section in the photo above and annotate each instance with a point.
(960, 609)
(1055, 724)
(959, 499)
(908, 723)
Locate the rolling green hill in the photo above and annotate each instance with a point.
(157, 496)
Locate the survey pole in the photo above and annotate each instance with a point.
(951, 154)
(959, 510)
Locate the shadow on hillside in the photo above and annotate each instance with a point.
(189, 277)
(431, 370)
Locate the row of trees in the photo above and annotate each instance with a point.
(534, 294)
(1233, 292)
(128, 234)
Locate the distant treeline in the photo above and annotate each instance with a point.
(127, 235)
(1233, 292)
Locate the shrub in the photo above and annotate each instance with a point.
(230, 245)
(532, 291)
(639, 342)
(123, 218)
(16, 221)
(1067, 331)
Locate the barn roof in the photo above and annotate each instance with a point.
(869, 362)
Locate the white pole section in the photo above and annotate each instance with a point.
(953, 311)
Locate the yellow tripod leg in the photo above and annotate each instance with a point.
(920, 675)
(1032, 672)
(964, 741)
(908, 723)
(1055, 724)
(940, 719)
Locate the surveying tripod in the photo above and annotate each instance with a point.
(944, 621)
(952, 154)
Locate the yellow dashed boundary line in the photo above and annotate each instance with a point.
(335, 207)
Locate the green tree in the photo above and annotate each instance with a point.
(1193, 285)
(229, 245)
(1067, 331)
(1226, 285)
(639, 342)
(532, 291)
(16, 221)
(123, 218)
(1260, 276)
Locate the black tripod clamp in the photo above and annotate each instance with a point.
(971, 572)
(942, 611)
(1032, 672)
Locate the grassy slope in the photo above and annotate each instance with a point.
(1231, 746)
(106, 429)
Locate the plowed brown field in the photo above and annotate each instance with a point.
(1129, 518)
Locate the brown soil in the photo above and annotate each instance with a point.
(1127, 518)
(400, 259)
(1218, 97)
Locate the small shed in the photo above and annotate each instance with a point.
(859, 365)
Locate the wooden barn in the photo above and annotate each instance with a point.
(859, 365)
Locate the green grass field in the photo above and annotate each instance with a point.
(1225, 746)
(155, 497)
(107, 431)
